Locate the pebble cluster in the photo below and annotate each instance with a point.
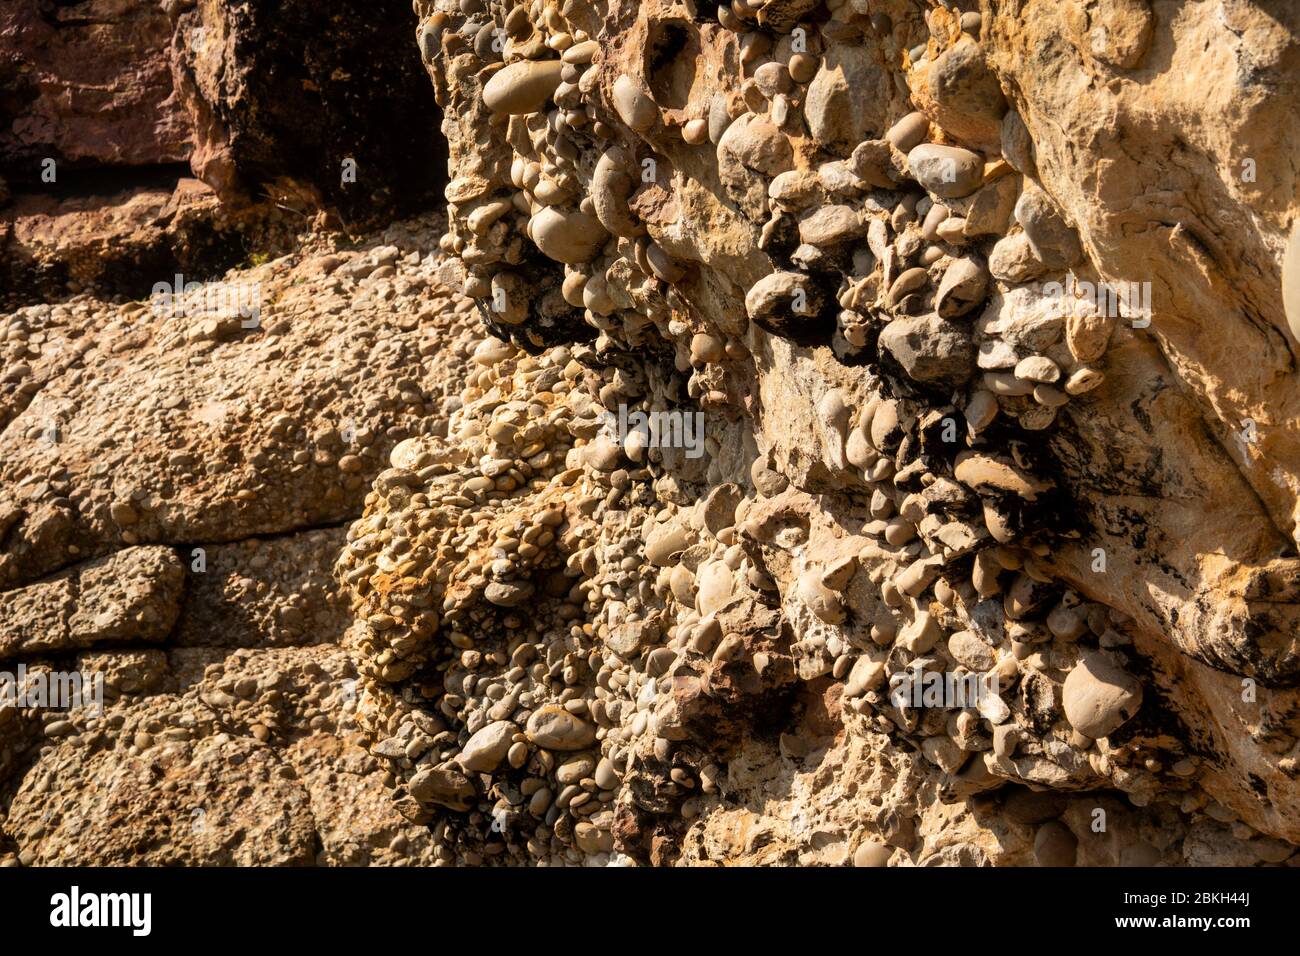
(560, 633)
(494, 573)
(556, 641)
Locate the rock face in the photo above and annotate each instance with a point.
(838, 469)
(134, 548)
(275, 92)
(87, 85)
(110, 107)
(861, 246)
(251, 417)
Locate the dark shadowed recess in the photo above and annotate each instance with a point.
(320, 84)
(300, 86)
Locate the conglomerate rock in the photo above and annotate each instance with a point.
(988, 396)
(136, 554)
(868, 446)
(260, 403)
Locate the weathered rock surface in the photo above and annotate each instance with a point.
(218, 642)
(111, 105)
(250, 416)
(822, 485)
(978, 471)
(131, 595)
(87, 85)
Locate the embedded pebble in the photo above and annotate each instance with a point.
(485, 750)
(930, 349)
(1054, 242)
(803, 67)
(571, 237)
(910, 131)
(1013, 259)
(824, 602)
(841, 101)
(948, 172)
(831, 226)
(872, 854)
(611, 184)
(1037, 368)
(1100, 697)
(783, 302)
(634, 105)
(556, 729)
(757, 145)
(522, 87)
(964, 94)
(963, 287)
